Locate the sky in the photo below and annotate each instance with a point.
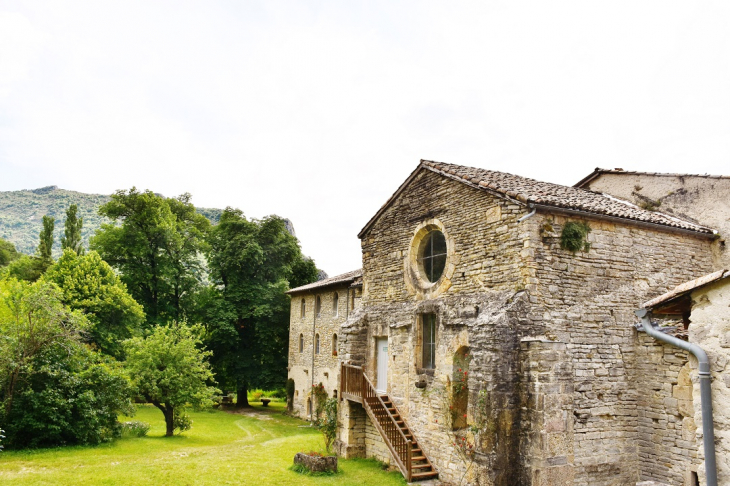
(318, 111)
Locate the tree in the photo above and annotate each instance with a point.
(53, 389)
(8, 253)
(72, 231)
(90, 285)
(252, 264)
(170, 372)
(45, 246)
(155, 245)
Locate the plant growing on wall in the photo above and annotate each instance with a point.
(319, 396)
(573, 237)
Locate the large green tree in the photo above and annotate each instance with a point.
(8, 253)
(155, 243)
(170, 371)
(53, 389)
(89, 284)
(252, 264)
(72, 231)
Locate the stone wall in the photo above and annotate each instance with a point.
(587, 300)
(702, 199)
(667, 441)
(710, 329)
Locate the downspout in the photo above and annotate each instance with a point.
(708, 430)
(534, 210)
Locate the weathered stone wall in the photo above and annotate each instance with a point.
(702, 199)
(710, 329)
(326, 324)
(546, 433)
(587, 300)
(667, 441)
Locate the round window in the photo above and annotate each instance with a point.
(432, 255)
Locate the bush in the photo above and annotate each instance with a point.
(135, 428)
(280, 393)
(328, 423)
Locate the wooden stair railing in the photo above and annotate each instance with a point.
(412, 462)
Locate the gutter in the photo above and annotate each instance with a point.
(708, 430)
(616, 219)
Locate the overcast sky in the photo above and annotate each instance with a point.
(317, 111)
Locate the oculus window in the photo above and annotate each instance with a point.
(432, 255)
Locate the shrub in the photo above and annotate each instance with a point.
(328, 423)
(573, 237)
(135, 428)
(279, 393)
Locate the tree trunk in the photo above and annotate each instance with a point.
(242, 396)
(168, 411)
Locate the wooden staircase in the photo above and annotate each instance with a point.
(409, 457)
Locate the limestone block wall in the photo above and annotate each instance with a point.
(667, 441)
(483, 229)
(702, 199)
(587, 300)
(546, 433)
(326, 324)
(710, 329)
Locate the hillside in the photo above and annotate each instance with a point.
(21, 213)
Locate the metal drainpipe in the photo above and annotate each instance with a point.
(708, 429)
(534, 210)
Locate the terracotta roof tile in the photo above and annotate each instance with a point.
(545, 193)
(345, 278)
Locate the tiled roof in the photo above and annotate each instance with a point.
(686, 287)
(345, 278)
(598, 171)
(547, 194)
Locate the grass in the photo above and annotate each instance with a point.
(255, 447)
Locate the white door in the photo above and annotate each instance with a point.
(382, 352)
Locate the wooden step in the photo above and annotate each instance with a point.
(424, 475)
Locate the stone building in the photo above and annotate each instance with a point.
(317, 312)
(694, 197)
(701, 309)
(495, 340)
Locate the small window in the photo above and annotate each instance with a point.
(428, 339)
(318, 306)
(335, 304)
(432, 255)
(309, 406)
(316, 344)
(301, 343)
(304, 308)
(334, 393)
(334, 345)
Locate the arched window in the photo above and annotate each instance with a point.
(301, 343)
(335, 304)
(318, 306)
(304, 308)
(334, 345)
(460, 388)
(316, 344)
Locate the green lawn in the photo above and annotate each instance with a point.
(254, 448)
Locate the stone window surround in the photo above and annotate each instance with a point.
(427, 361)
(416, 282)
(304, 308)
